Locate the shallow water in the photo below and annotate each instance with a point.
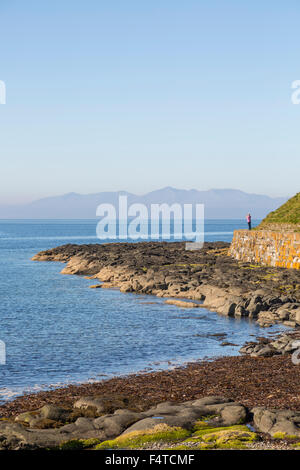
(58, 331)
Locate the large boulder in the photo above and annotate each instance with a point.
(277, 421)
(185, 415)
(114, 425)
(231, 415)
(47, 416)
(101, 404)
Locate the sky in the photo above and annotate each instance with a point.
(132, 95)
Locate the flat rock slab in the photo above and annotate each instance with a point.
(182, 303)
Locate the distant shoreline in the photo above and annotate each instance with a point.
(219, 203)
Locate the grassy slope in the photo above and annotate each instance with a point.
(288, 213)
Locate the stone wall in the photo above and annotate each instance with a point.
(267, 247)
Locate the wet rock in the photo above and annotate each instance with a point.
(182, 303)
(295, 315)
(266, 351)
(266, 323)
(283, 314)
(282, 344)
(292, 324)
(241, 311)
(228, 308)
(266, 315)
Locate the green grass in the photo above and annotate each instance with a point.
(288, 213)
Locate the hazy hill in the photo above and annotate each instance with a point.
(219, 203)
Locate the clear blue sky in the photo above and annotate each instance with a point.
(137, 95)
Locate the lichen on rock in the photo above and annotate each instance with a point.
(139, 439)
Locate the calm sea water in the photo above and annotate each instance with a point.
(58, 331)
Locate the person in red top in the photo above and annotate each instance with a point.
(249, 221)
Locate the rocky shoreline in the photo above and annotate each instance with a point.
(283, 344)
(246, 402)
(228, 397)
(208, 423)
(225, 285)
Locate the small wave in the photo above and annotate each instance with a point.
(7, 394)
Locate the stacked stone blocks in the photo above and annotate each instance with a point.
(281, 249)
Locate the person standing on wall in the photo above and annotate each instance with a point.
(249, 221)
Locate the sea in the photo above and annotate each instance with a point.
(57, 331)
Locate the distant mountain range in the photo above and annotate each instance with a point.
(219, 204)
